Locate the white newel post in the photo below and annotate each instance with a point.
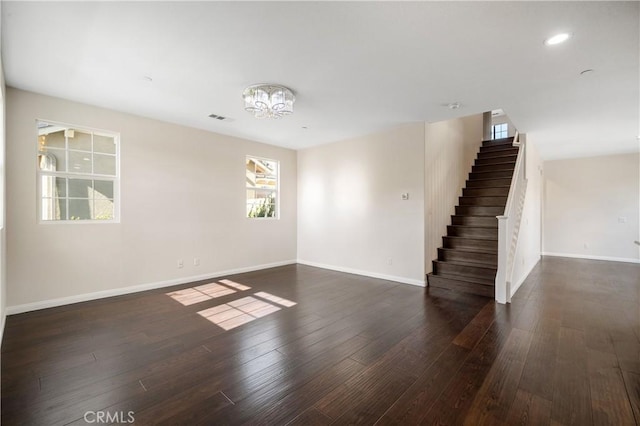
(502, 292)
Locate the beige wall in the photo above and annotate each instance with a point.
(450, 150)
(3, 204)
(182, 197)
(351, 214)
(587, 201)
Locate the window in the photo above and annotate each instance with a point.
(499, 131)
(262, 187)
(78, 177)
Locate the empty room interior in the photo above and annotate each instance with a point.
(320, 213)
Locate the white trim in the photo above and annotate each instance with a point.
(515, 288)
(27, 307)
(403, 280)
(592, 257)
(4, 321)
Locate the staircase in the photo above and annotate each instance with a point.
(468, 259)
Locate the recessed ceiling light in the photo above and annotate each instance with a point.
(148, 79)
(557, 39)
(454, 105)
(589, 71)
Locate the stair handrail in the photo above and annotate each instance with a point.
(509, 225)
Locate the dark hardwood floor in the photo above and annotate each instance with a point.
(352, 350)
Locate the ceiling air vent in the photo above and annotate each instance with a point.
(220, 117)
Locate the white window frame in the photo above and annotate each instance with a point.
(277, 189)
(505, 131)
(78, 175)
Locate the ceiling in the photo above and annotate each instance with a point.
(356, 67)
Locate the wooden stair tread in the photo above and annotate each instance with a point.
(468, 254)
(473, 280)
(510, 163)
(484, 187)
(498, 141)
(474, 226)
(471, 264)
(471, 238)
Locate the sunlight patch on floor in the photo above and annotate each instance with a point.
(234, 284)
(279, 300)
(201, 293)
(238, 312)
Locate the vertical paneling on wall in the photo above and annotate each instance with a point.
(450, 149)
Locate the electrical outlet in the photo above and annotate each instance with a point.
(196, 261)
(180, 264)
(390, 261)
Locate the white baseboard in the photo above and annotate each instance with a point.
(403, 280)
(28, 307)
(591, 257)
(4, 321)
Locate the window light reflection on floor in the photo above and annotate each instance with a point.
(201, 293)
(238, 312)
(276, 299)
(234, 284)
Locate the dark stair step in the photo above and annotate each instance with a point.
(460, 284)
(480, 273)
(480, 210)
(487, 221)
(479, 232)
(495, 148)
(482, 201)
(501, 141)
(490, 191)
(493, 167)
(469, 256)
(491, 175)
(497, 154)
(496, 160)
(474, 244)
(483, 183)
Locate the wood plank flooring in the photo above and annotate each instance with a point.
(351, 350)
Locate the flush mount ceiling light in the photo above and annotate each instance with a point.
(557, 39)
(268, 100)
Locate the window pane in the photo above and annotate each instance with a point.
(105, 144)
(52, 160)
(103, 210)
(62, 149)
(261, 203)
(79, 162)
(52, 140)
(80, 188)
(80, 209)
(53, 209)
(79, 141)
(61, 187)
(262, 184)
(104, 164)
(61, 208)
(261, 209)
(103, 189)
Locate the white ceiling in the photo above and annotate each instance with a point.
(356, 67)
